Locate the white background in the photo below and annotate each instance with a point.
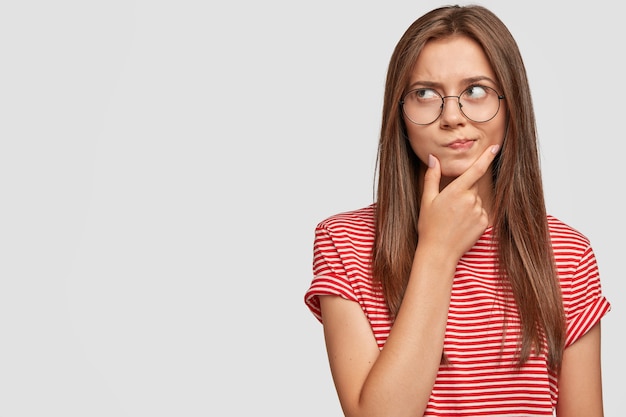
(163, 165)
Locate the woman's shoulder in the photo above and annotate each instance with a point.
(357, 219)
(563, 233)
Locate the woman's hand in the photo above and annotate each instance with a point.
(454, 218)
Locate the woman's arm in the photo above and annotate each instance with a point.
(397, 381)
(580, 381)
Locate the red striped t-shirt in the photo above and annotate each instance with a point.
(480, 378)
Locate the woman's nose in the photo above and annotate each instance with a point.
(451, 113)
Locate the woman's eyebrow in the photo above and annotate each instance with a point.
(476, 79)
(430, 84)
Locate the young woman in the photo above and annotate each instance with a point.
(456, 293)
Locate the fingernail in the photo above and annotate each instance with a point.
(495, 149)
(431, 161)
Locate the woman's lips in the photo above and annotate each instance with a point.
(460, 145)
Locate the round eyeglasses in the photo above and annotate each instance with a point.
(424, 106)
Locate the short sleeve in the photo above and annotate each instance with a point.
(329, 272)
(583, 300)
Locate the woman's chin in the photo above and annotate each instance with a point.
(453, 170)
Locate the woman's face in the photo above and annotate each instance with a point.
(448, 67)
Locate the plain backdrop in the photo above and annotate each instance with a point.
(163, 165)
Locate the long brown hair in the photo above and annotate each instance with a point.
(525, 258)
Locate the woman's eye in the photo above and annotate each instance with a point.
(426, 94)
(476, 92)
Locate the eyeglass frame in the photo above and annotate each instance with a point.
(443, 103)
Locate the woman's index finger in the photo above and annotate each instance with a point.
(475, 172)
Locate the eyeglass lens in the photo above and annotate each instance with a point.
(423, 106)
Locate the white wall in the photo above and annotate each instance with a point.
(163, 165)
